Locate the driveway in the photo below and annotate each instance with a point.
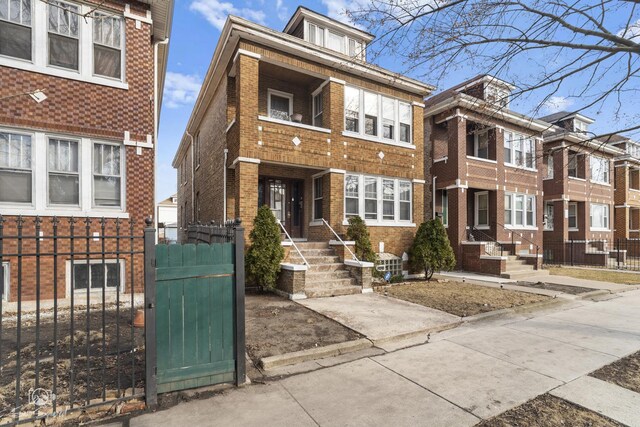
(464, 375)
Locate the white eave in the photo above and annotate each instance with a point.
(489, 80)
(303, 12)
(469, 102)
(574, 138)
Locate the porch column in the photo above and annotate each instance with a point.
(333, 202)
(457, 221)
(560, 221)
(622, 216)
(623, 212)
(246, 193)
(247, 80)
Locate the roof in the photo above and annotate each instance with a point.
(302, 12)
(564, 115)
(467, 83)
(169, 201)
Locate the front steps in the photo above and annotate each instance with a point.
(518, 268)
(327, 275)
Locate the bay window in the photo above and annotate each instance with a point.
(383, 200)
(64, 176)
(599, 216)
(549, 162)
(572, 165)
(519, 210)
(107, 175)
(370, 113)
(15, 168)
(482, 209)
(63, 35)
(107, 45)
(573, 216)
(599, 169)
(15, 28)
(508, 209)
(352, 109)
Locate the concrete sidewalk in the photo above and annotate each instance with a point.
(466, 374)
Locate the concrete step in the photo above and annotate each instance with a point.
(527, 275)
(316, 268)
(319, 276)
(315, 252)
(516, 262)
(295, 258)
(312, 245)
(328, 282)
(331, 290)
(519, 267)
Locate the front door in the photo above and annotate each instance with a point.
(285, 198)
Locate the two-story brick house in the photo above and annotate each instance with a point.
(578, 190)
(626, 189)
(300, 121)
(483, 160)
(88, 149)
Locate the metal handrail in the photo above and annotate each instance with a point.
(293, 243)
(485, 237)
(512, 231)
(341, 241)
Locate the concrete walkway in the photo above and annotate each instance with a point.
(463, 375)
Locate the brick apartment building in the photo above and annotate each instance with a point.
(88, 149)
(300, 121)
(578, 190)
(483, 160)
(626, 188)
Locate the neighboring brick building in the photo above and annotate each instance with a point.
(300, 121)
(578, 190)
(483, 161)
(88, 150)
(626, 188)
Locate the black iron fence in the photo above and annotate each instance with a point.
(620, 254)
(70, 291)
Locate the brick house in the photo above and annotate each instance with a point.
(626, 188)
(578, 190)
(88, 149)
(483, 160)
(300, 121)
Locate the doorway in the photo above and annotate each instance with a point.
(285, 198)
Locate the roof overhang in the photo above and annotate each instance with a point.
(303, 12)
(489, 80)
(574, 138)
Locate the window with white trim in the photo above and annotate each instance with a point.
(572, 216)
(599, 169)
(519, 210)
(15, 29)
(383, 200)
(64, 172)
(107, 171)
(280, 104)
(6, 280)
(599, 216)
(355, 49)
(16, 174)
(374, 115)
(572, 164)
(481, 144)
(548, 216)
(317, 197)
(315, 34)
(318, 108)
(481, 208)
(107, 45)
(96, 275)
(580, 126)
(519, 150)
(497, 95)
(445, 208)
(63, 35)
(335, 41)
(549, 163)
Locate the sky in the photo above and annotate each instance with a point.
(195, 33)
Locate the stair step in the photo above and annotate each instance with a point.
(529, 275)
(312, 245)
(315, 259)
(331, 290)
(329, 282)
(315, 252)
(319, 276)
(316, 268)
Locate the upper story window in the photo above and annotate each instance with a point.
(15, 28)
(15, 168)
(599, 169)
(633, 149)
(574, 168)
(280, 105)
(63, 35)
(549, 162)
(377, 116)
(107, 45)
(318, 108)
(519, 150)
(580, 126)
(497, 95)
(334, 40)
(481, 144)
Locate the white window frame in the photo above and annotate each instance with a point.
(576, 156)
(605, 171)
(476, 210)
(476, 143)
(122, 176)
(339, 36)
(80, 37)
(357, 197)
(525, 198)
(497, 95)
(6, 285)
(123, 44)
(79, 173)
(281, 94)
(315, 196)
(606, 219)
(96, 292)
(550, 166)
(315, 112)
(32, 4)
(379, 221)
(515, 141)
(33, 169)
(580, 126)
(572, 206)
(360, 133)
(548, 223)
(445, 207)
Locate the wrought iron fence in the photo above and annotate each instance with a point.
(619, 254)
(70, 290)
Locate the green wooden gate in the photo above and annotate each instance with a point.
(196, 316)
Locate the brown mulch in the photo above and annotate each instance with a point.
(460, 299)
(548, 411)
(624, 372)
(276, 325)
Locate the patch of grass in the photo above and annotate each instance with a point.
(548, 411)
(624, 372)
(460, 299)
(602, 275)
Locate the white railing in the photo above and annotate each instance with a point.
(293, 243)
(341, 241)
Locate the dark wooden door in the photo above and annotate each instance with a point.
(285, 198)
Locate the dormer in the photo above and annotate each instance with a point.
(490, 89)
(580, 126)
(323, 31)
(570, 122)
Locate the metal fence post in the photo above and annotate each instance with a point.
(618, 253)
(239, 304)
(150, 384)
(571, 248)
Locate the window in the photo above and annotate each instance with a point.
(599, 216)
(316, 35)
(355, 49)
(370, 198)
(519, 150)
(280, 104)
(15, 28)
(572, 164)
(370, 113)
(548, 216)
(388, 118)
(549, 162)
(405, 200)
(317, 109)
(573, 216)
(94, 275)
(5, 280)
(519, 210)
(15, 168)
(481, 144)
(388, 199)
(317, 197)
(580, 126)
(599, 169)
(64, 177)
(107, 45)
(351, 194)
(384, 118)
(482, 209)
(107, 175)
(445, 208)
(508, 208)
(497, 95)
(63, 35)
(352, 109)
(335, 42)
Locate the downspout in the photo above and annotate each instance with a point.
(193, 191)
(224, 186)
(433, 197)
(156, 124)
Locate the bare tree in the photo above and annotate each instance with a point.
(543, 47)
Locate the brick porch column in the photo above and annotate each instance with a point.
(622, 216)
(457, 221)
(333, 202)
(246, 193)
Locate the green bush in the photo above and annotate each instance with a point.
(431, 250)
(358, 232)
(262, 262)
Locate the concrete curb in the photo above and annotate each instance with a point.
(407, 335)
(292, 358)
(521, 308)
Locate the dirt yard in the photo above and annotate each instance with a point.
(625, 372)
(548, 411)
(602, 275)
(573, 290)
(276, 326)
(460, 299)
